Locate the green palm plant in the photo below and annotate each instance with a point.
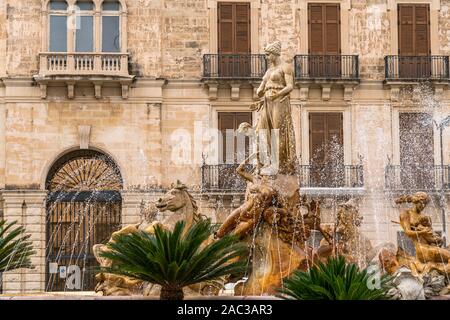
(175, 259)
(15, 247)
(334, 280)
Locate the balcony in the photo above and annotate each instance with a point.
(416, 68)
(223, 178)
(331, 180)
(233, 70)
(404, 179)
(72, 68)
(313, 179)
(327, 70)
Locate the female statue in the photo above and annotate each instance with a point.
(419, 228)
(275, 115)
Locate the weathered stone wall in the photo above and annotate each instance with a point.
(38, 133)
(444, 27)
(23, 38)
(369, 36)
(279, 20)
(3, 37)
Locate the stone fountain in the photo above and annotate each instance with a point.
(276, 221)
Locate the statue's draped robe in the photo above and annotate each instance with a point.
(276, 115)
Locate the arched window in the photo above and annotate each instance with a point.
(84, 34)
(111, 26)
(58, 26)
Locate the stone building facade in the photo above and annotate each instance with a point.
(150, 105)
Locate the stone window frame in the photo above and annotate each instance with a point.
(346, 128)
(396, 110)
(435, 7)
(98, 13)
(345, 7)
(255, 6)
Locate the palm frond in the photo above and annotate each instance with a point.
(177, 258)
(334, 280)
(15, 247)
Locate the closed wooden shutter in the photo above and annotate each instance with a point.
(326, 129)
(226, 28)
(414, 29)
(324, 29)
(422, 34)
(332, 29)
(316, 29)
(326, 150)
(324, 40)
(414, 41)
(234, 27)
(242, 36)
(317, 137)
(233, 149)
(234, 38)
(406, 30)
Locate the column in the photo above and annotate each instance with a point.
(27, 207)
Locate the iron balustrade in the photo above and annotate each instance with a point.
(417, 178)
(332, 67)
(234, 66)
(323, 176)
(223, 177)
(414, 68)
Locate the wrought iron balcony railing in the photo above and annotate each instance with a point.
(330, 67)
(223, 177)
(345, 176)
(417, 178)
(416, 68)
(234, 66)
(83, 64)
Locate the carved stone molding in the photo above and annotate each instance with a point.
(98, 89)
(43, 88)
(70, 89)
(235, 88)
(326, 92)
(213, 87)
(348, 92)
(255, 85)
(395, 93)
(304, 93)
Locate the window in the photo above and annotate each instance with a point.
(84, 35)
(58, 26)
(74, 28)
(324, 40)
(326, 149)
(235, 147)
(416, 150)
(234, 39)
(111, 26)
(414, 40)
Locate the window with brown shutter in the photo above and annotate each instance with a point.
(234, 39)
(414, 40)
(324, 40)
(234, 146)
(326, 149)
(416, 150)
